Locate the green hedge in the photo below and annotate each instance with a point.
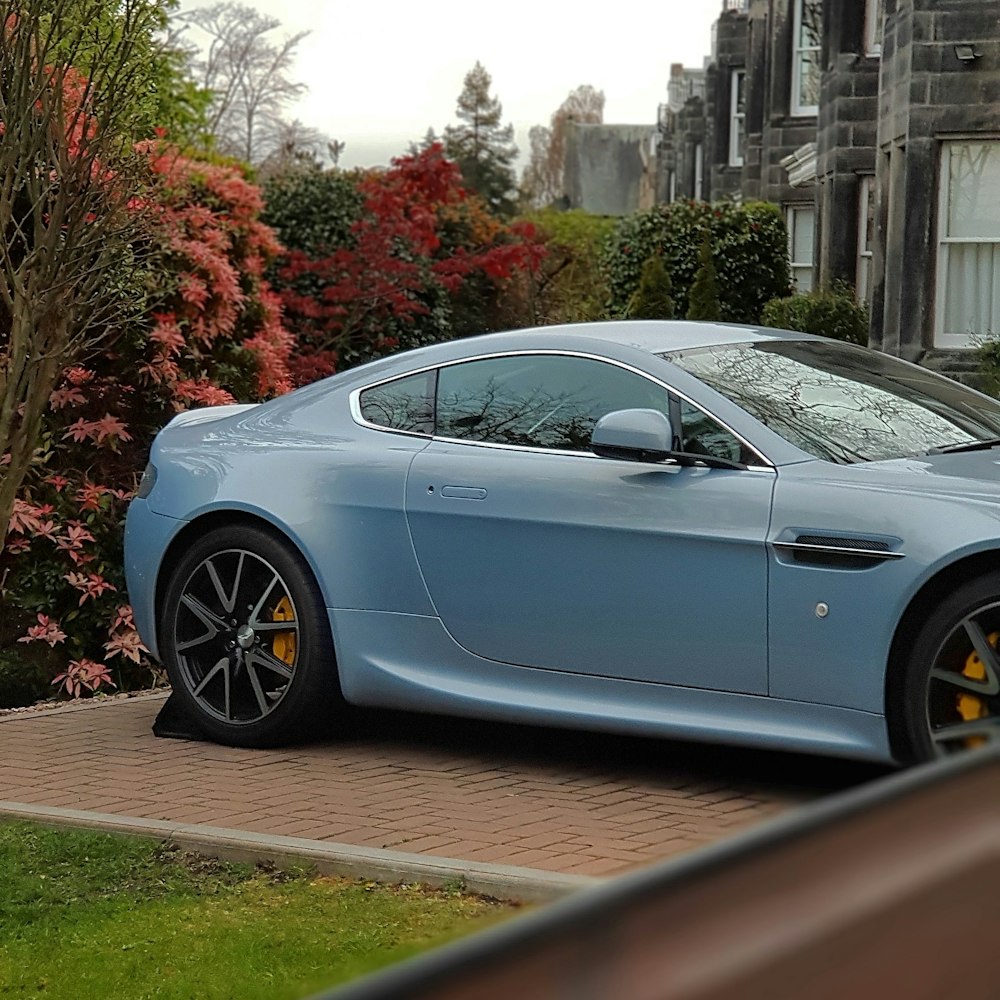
(571, 283)
(827, 313)
(749, 245)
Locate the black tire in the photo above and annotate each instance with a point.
(928, 716)
(235, 681)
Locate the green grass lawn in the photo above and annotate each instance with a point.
(89, 915)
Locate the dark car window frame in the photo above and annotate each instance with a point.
(760, 462)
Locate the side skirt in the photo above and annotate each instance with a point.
(409, 662)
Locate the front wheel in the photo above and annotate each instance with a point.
(950, 698)
(246, 641)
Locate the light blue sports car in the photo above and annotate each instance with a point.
(690, 530)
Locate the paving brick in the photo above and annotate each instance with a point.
(551, 801)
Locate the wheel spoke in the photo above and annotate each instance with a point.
(987, 654)
(222, 664)
(961, 681)
(987, 728)
(200, 641)
(257, 689)
(269, 662)
(228, 601)
(255, 614)
(288, 626)
(208, 618)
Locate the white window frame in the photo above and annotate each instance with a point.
(800, 110)
(945, 242)
(873, 27)
(737, 118)
(800, 265)
(864, 278)
(699, 171)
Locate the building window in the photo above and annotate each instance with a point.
(699, 171)
(808, 27)
(873, 27)
(866, 233)
(801, 220)
(672, 186)
(968, 289)
(737, 116)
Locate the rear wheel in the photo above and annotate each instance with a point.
(950, 699)
(246, 641)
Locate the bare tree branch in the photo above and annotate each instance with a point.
(248, 75)
(542, 179)
(74, 241)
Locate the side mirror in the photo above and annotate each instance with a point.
(633, 435)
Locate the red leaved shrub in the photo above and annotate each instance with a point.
(396, 281)
(213, 333)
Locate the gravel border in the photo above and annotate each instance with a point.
(81, 704)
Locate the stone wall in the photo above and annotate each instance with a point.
(610, 169)
(927, 95)
(845, 138)
(723, 179)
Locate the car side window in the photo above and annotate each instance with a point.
(406, 404)
(701, 435)
(540, 401)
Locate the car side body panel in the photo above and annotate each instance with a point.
(841, 659)
(338, 498)
(620, 569)
(411, 663)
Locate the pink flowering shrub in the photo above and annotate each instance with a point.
(213, 335)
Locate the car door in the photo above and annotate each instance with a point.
(538, 553)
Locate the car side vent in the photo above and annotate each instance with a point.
(839, 551)
(840, 542)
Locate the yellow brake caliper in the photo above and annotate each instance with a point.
(971, 706)
(283, 646)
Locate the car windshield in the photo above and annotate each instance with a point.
(844, 403)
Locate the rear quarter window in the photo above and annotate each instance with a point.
(405, 404)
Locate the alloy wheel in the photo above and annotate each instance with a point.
(236, 636)
(963, 686)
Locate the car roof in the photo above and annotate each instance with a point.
(648, 336)
(653, 336)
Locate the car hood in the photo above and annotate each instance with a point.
(972, 476)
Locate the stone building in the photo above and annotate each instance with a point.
(875, 124)
(610, 169)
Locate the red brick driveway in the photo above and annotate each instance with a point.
(538, 798)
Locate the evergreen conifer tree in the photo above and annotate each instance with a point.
(703, 302)
(651, 300)
(482, 147)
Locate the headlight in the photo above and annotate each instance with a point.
(147, 482)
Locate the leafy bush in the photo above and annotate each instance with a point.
(216, 336)
(23, 679)
(569, 287)
(704, 299)
(652, 298)
(311, 209)
(749, 247)
(829, 313)
(422, 261)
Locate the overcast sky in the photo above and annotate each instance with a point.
(380, 72)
